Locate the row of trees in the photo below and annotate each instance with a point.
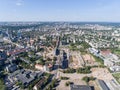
(87, 79)
(41, 61)
(84, 70)
(69, 70)
(73, 46)
(68, 83)
(52, 84)
(64, 78)
(2, 85)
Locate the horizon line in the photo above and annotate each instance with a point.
(67, 21)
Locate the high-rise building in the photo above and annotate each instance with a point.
(64, 61)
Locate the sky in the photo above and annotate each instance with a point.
(60, 10)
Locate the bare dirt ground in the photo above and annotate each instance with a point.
(77, 60)
(75, 78)
(101, 73)
(89, 60)
(49, 53)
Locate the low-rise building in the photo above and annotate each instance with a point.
(115, 68)
(39, 67)
(2, 57)
(26, 76)
(108, 63)
(11, 68)
(48, 67)
(105, 53)
(80, 87)
(39, 84)
(16, 51)
(102, 85)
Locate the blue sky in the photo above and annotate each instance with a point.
(60, 10)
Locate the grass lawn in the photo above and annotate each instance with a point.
(2, 86)
(117, 77)
(117, 52)
(98, 60)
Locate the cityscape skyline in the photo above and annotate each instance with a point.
(59, 45)
(60, 10)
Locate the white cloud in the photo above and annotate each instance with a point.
(19, 3)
